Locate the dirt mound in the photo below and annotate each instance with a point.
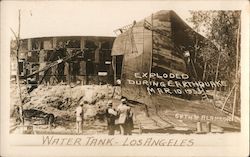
(61, 100)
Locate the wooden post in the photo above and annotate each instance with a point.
(82, 63)
(199, 127)
(66, 72)
(234, 103)
(114, 68)
(236, 70)
(54, 42)
(29, 44)
(222, 108)
(151, 52)
(19, 91)
(82, 44)
(208, 127)
(81, 71)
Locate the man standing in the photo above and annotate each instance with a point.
(79, 118)
(111, 116)
(129, 121)
(123, 110)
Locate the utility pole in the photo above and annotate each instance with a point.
(19, 91)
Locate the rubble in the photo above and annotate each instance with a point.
(61, 100)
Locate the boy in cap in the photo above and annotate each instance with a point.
(79, 118)
(111, 116)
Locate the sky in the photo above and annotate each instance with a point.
(90, 18)
(78, 18)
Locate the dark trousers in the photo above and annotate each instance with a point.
(111, 129)
(128, 130)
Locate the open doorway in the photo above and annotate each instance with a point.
(117, 65)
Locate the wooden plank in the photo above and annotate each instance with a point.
(82, 43)
(82, 68)
(29, 44)
(54, 42)
(55, 63)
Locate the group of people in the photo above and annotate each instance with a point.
(120, 119)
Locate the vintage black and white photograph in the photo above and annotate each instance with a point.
(161, 74)
(92, 69)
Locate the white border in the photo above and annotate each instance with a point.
(236, 144)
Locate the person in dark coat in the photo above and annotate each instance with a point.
(129, 124)
(111, 116)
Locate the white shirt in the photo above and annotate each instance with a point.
(112, 111)
(79, 111)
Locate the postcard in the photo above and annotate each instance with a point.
(124, 78)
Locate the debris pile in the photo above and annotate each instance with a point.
(61, 100)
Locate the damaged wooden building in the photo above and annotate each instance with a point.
(160, 43)
(69, 59)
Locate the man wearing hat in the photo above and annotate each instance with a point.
(123, 110)
(79, 118)
(111, 116)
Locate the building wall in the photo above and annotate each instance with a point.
(92, 66)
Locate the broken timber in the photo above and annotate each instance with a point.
(147, 25)
(47, 67)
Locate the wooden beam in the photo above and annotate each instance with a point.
(236, 69)
(228, 97)
(114, 67)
